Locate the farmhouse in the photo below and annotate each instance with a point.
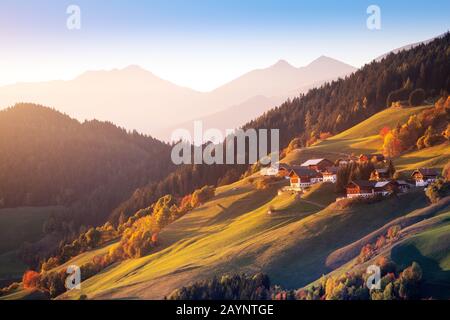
(404, 186)
(368, 189)
(381, 174)
(330, 174)
(281, 170)
(364, 158)
(424, 176)
(317, 164)
(284, 170)
(303, 178)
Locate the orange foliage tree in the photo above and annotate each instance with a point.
(392, 146)
(30, 279)
(384, 131)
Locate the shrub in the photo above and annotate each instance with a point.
(235, 287)
(393, 233)
(438, 190)
(296, 143)
(397, 95)
(409, 282)
(417, 97)
(202, 195)
(30, 279)
(446, 172)
(366, 253)
(9, 289)
(262, 184)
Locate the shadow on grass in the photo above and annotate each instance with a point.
(435, 281)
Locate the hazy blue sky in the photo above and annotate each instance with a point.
(202, 44)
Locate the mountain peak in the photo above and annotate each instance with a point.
(282, 64)
(322, 59)
(325, 63)
(133, 67)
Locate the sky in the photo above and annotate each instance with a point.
(202, 44)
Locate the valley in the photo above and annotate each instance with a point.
(233, 233)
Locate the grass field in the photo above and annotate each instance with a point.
(234, 233)
(426, 242)
(431, 249)
(364, 138)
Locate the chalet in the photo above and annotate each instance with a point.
(363, 158)
(380, 174)
(424, 176)
(302, 178)
(280, 169)
(404, 186)
(330, 174)
(284, 170)
(368, 189)
(318, 164)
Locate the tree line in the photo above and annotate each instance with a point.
(322, 112)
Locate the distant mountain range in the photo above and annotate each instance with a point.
(135, 98)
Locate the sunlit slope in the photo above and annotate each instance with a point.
(433, 157)
(205, 237)
(364, 138)
(234, 233)
(426, 242)
(431, 249)
(291, 245)
(387, 118)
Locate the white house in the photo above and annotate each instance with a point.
(368, 189)
(424, 176)
(330, 174)
(302, 178)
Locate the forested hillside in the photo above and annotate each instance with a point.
(341, 104)
(50, 159)
(328, 110)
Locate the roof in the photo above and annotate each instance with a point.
(332, 170)
(284, 166)
(382, 170)
(364, 183)
(381, 184)
(313, 162)
(403, 182)
(303, 171)
(427, 172)
(371, 184)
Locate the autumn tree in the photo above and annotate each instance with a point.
(409, 282)
(30, 279)
(202, 195)
(384, 131)
(438, 190)
(417, 97)
(392, 146)
(295, 143)
(446, 172)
